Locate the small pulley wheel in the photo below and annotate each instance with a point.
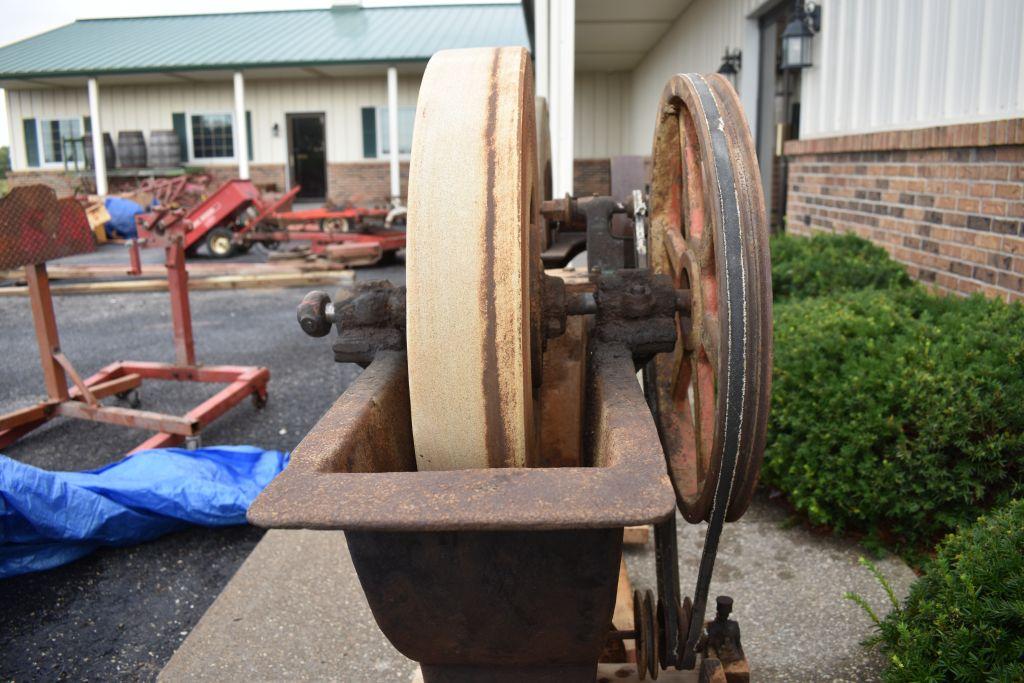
(646, 628)
(709, 231)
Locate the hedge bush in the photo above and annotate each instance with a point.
(896, 413)
(825, 264)
(964, 618)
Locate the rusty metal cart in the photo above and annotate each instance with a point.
(35, 227)
(485, 463)
(237, 216)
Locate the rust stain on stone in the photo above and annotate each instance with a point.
(496, 434)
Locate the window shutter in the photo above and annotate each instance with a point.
(31, 142)
(248, 132)
(369, 133)
(88, 124)
(178, 120)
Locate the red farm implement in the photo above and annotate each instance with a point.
(237, 216)
(36, 228)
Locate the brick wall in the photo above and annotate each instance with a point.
(265, 176)
(363, 183)
(369, 182)
(64, 184)
(946, 201)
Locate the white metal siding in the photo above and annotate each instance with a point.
(601, 115)
(149, 108)
(695, 43)
(896, 64)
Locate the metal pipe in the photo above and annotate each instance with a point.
(396, 182)
(99, 159)
(241, 134)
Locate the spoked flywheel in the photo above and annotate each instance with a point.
(473, 262)
(709, 232)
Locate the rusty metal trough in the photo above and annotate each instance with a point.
(510, 569)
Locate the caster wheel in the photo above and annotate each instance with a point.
(131, 398)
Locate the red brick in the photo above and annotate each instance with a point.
(982, 190)
(1009, 190)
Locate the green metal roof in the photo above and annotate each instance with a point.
(261, 39)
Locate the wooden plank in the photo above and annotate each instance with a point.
(100, 271)
(263, 281)
(626, 673)
(622, 617)
(636, 535)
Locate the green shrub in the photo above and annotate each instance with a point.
(825, 264)
(896, 413)
(964, 619)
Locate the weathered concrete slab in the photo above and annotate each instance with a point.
(294, 611)
(788, 585)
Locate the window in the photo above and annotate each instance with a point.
(53, 133)
(406, 118)
(212, 136)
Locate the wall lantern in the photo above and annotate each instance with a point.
(731, 63)
(798, 36)
(275, 130)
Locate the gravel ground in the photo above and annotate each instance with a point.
(120, 613)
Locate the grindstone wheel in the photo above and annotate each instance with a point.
(473, 262)
(709, 232)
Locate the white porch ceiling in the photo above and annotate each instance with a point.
(614, 35)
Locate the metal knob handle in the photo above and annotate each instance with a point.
(316, 314)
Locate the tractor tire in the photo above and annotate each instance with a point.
(219, 244)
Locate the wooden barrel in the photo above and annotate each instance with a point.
(131, 149)
(108, 150)
(164, 149)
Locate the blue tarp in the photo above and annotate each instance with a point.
(122, 217)
(50, 518)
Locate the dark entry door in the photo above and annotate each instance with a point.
(307, 154)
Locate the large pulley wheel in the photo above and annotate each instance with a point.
(473, 262)
(709, 232)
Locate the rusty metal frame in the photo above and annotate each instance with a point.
(388, 240)
(82, 400)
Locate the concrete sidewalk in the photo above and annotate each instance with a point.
(295, 611)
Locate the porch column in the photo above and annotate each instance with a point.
(99, 159)
(241, 134)
(396, 176)
(563, 91)
(540, 46)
